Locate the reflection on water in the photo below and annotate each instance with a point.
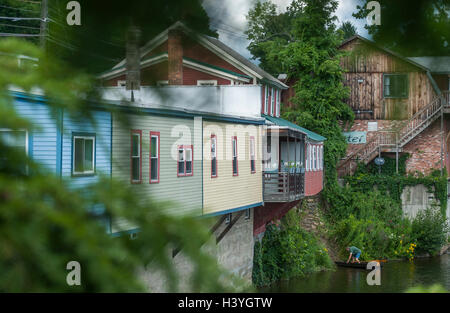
(395, 277)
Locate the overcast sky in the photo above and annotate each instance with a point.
(228, 17)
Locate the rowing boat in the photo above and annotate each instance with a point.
(355, 265)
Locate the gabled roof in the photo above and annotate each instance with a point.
(215, 46)
(284, 123)
(436, 65)
(373, 43)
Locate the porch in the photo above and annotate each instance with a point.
(284, 165)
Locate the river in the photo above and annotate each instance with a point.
(396, 276)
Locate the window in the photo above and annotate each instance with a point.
(121, 83)
(228, 219)
(83, 154)
(16, 140)
(321, 157)
(247, 214)
(272, 101)
(278, 103)
(136, 156)
(234, 155)
(154, 157)
(314, 157)
(266, 100)
(213, 156)
(185, 158)
(206, 82)
(395, 85)
(252, 155)
(308, 161)
(161, 83)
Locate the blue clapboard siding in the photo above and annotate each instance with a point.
(101, 128)
(43, 138)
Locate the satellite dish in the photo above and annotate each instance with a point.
(379, 161)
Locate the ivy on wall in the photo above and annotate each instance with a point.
(391, 184)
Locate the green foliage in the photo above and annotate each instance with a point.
(436, 288)
(287, 251)
(429, 230)
(348, 30)
(392, 185)
(45, 222)
(411, 28)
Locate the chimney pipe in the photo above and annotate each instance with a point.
(175, 57)
(133, 59)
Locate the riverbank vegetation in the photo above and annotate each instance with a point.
(286, 251)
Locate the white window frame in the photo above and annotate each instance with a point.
(272, 102)
(207, 82)
(321, 157)
(266, 100)
(184, 148)
(121, 83)
(314, 158)
(84, 137)
(308, 157)
(214, 154)
(277, 113)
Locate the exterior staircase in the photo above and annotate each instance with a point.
(394, 141)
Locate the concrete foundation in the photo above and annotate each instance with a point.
(234, 253)
(415, 199)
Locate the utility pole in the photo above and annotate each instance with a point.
(44, 21)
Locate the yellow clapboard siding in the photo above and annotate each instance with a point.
(226, 191)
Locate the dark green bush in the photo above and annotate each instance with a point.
(287, 251)
(429, 230)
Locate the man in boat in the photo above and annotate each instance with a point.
(355, 253)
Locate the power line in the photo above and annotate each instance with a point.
(23, 18)
(19, 26)
(19, 9)
(19, 35)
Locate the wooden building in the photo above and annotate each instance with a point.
(400, 106)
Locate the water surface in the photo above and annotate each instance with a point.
(396, 276)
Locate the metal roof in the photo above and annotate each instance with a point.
(284, 123)
(436, 65)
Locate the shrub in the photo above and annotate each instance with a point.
(287, 251)
(429, 229)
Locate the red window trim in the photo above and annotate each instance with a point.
(237, 156)
(217, 168)
(136, 131)
(192, 160)
(157, 134)
(263, 97)
(252, 138)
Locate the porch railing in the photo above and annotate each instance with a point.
(283, 186)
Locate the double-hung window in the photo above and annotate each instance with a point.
(234, 148)
(314, 156)
(185, 164)
(154, 157)
(252, 155)
(83, 156)
(136, 156)
(213, 156)
(272, 101)
(395, 85)
(266, 100)
(16, 141)
(277, 113)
